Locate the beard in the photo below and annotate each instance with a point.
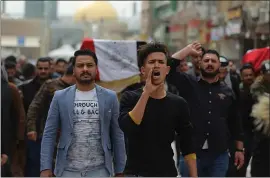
(10, 79)
(209, 74)
(84, 81)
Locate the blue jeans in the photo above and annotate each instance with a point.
(208, 165)
(32, 166)
(96, 173)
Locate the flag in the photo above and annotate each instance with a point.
(117, 59)
(256, 57)
(117, 62)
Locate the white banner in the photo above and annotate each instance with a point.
(116, 59)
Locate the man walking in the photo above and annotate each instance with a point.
(245, 107)
(214, 114)
(87, 117)
(28, 91)
(150, 117)
(39, 107)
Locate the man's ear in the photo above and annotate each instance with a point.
(168, 70)
(142, 70)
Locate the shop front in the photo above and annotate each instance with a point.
(193, 30)
(217, 35)
(205, 32)
(233, 44)
(177, 37)
(263, 28)
(177, 32)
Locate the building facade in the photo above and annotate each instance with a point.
(146, 20)
(24, 40)
(240, 26)
(41, 9)
(162, 13)
(231, 27)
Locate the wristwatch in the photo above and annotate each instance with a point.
(240, 150)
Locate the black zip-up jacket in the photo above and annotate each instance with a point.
(29, 90)
(8, 119)
(213, 109)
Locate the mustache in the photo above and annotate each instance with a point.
(85, 73)
(209, 67)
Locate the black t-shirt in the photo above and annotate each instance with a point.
(150, 153)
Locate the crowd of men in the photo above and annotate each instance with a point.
(56, 121)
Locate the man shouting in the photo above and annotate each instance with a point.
(150, 117)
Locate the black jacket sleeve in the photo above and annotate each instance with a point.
(184, 129)
(235, 87)
(3, 139)
(3, 148)
(235, 121)
(184, 83)
(127, 103)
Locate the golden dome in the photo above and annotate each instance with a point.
(96, 11)
(79, 14)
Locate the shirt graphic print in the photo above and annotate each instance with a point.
(85, 152)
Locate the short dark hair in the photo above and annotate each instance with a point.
(247, 66)
(11, 59)
(211, 51)
(149, 48)
(84, 52)
(28, 70)
(61, 60)
(44, 59)
(10, 65)
(69, 70)
(203, 50)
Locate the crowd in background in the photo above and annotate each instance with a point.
(27, 91)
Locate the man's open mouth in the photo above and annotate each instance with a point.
(156, 73)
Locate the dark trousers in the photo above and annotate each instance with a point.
(6, 170)
(260, 168)
(208, 165)
(32, 167)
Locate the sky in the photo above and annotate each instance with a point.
(67, 8)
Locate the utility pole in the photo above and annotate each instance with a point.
(4, 7)
(46, 26)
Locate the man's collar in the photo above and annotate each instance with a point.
(202, 81)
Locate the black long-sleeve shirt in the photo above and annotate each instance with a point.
(214, 111)
(245, 105)
(150, 152)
